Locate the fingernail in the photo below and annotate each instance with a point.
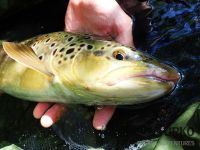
(46, 121)
(99, 107)
(103, 127)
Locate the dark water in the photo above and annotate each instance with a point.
(174, 37)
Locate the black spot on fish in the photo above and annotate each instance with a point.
(53, 44)
(82, 45)
(102, 47)
(79, 48)
(98, 53)
(62, 49)
(40, 57)
(59, 62)
(65, 58)
(61, 55)
(69, 50)
(66, 35)
(72, 57)
(71, 38)
(47, 40)
(108, 45)
(54, 52)
(107, 57)
(34, 44)
(72, 44)
(89, 47)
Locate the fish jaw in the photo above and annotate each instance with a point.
(171, 77)
(128, 85)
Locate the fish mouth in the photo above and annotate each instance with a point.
(160, 78)
(168, 75)
(172, 80)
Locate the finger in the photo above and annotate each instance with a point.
(125, 33)
(40, 109)
(124, 28)
(72, 17)
(52, 115)
(126, 38)
(102, 117)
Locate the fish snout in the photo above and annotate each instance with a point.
(168, 73)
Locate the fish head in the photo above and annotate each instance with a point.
(123, 75)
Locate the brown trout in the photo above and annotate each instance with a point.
(81, 69)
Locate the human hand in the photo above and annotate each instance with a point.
(100, 17)
(49, 113)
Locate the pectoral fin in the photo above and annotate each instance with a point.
(26, 56)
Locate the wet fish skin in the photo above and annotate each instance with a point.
(82, 69)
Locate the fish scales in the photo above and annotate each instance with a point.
(82, 69)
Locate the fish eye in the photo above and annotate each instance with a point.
(119, 55)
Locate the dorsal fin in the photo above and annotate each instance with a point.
(26, 56)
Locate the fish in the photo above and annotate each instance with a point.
(73, 68)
